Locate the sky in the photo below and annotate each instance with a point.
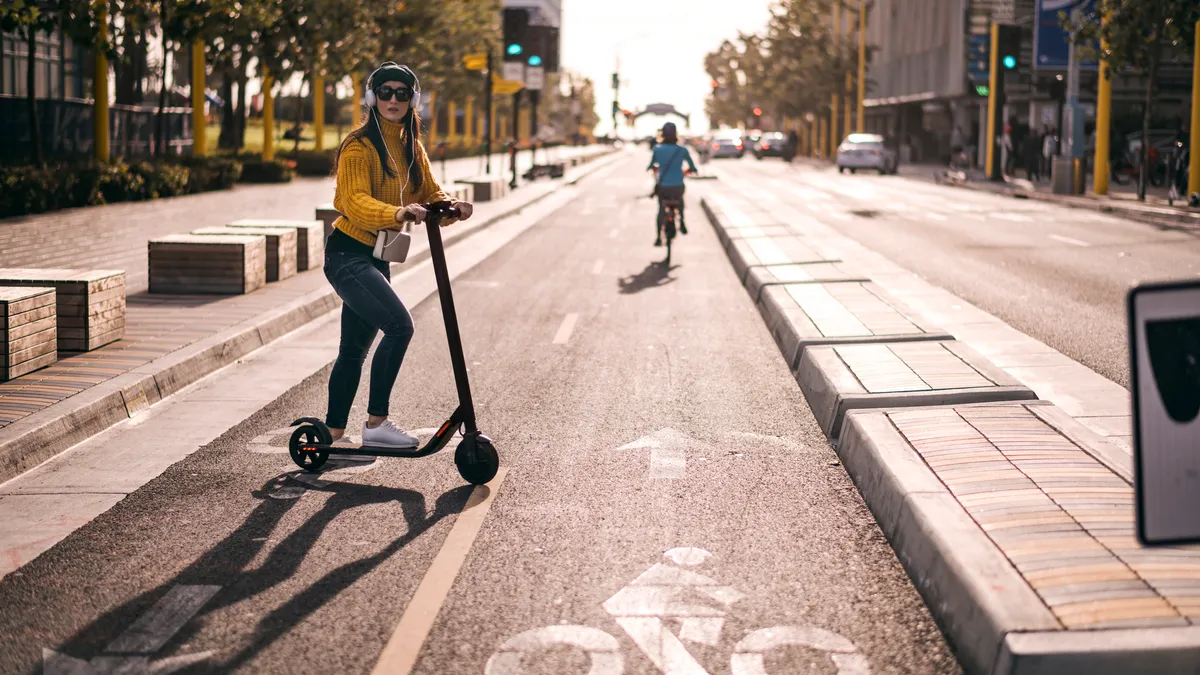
(661, 46)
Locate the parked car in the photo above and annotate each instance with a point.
(866, 151)
(728, 144)
(771, 144)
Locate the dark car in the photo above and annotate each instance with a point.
(770, 144)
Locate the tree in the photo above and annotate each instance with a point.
(30, 17)
(1142, 35)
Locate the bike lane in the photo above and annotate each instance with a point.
(673, 501)
(666, 501)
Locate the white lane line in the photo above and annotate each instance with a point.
(1068, 240)
(564, 330)
(598, 267)
(400, 654)
(152, 630)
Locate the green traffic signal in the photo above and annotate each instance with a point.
(535, 60)
(1010, 62)
(514, 49)
(982, 89)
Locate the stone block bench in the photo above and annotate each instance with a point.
(89, 304)
(486, 188)
(208, 264)
(310, 239)
(327, 214)
(28, 338)
(281, 247)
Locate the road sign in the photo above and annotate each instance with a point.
(501, 86)
(1050, 39)
(534, 78)
(514, 72)
(476, 61)
(979, 49)
(1164, 341)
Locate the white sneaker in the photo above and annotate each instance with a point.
(388, 435)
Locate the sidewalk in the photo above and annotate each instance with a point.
(1013, 517)
(1121, 200)
(172, 340)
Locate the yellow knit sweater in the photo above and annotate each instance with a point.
(367, 198)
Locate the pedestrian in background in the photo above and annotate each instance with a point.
(789, 148)
(1031, 150)
(1049, 145)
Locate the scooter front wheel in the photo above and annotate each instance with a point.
(303, 437)
(477, 459)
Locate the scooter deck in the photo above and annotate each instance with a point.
(372, 450)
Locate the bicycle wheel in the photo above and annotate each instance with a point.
(669, 226)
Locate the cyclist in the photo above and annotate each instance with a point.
(667, 161)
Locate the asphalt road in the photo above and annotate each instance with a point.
(579, 344)
(1055, 273)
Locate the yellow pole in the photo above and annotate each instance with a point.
(469, 121)
(833, 104)
(824, 134)
(452, 135)
(862, 62)
(523, 124)
(100, 90)
(268, 151)
(849, 104)
(199, 123)
(1103, 123)
(812, 138)
(318, 92)
(356, 104)
(433, 128)
(1194, 171)
(991, 121)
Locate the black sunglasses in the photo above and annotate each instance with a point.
(385, 93)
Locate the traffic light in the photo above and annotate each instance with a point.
(541, 47)
(516, 29)
(1008, 44)
(758, 112)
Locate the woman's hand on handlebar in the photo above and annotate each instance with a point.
(413, 213)
(465, 209)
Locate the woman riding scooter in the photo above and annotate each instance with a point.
(383, 176)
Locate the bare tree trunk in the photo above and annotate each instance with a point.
(161, 127)
(1144, 174)
(35, 127)
(228, 120)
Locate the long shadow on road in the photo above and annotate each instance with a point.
(656, 275)
(224, 565)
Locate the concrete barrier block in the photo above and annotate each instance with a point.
(310, 238)
(326, 213)
(486, 188)
(808, 314)
(837, 379)
(760, 278)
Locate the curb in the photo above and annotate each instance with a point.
(48, 432)
(1157, 216)
(972, 589)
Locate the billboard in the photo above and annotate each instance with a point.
(1050, 40)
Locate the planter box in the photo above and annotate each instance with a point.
(90, 304)
(208, 264)
(28, 337)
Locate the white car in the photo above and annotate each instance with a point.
(727, 144)
(865, 151)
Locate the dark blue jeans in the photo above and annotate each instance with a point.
(370, 305)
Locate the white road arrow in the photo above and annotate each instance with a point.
(130, 653)
(668, 458)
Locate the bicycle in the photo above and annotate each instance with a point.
(666, 225)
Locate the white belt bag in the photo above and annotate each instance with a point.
(392, 245)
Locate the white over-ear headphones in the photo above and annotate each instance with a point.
(371, 100)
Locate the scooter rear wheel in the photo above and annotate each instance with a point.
(477, 459)
(309, 460)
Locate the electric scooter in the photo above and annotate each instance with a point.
(311, 443)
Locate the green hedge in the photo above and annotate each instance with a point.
(317, 163)
(25, 190)
(264, 171)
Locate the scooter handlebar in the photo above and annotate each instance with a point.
(436, 211)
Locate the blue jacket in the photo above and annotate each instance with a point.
(669, 159)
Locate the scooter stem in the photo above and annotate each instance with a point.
(437, 254)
